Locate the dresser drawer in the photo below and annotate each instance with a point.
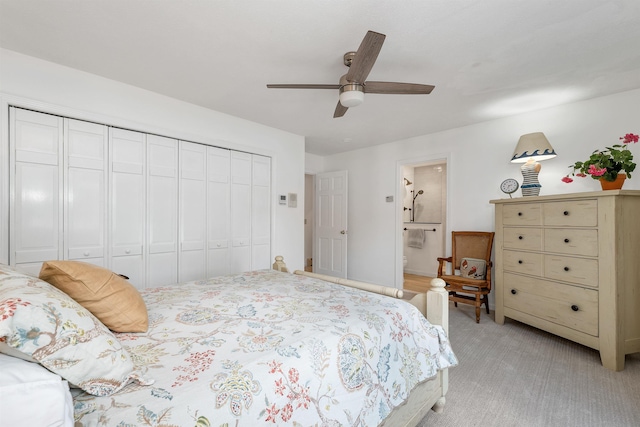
(522, 238)
(565, 305)
(571, 241)
(582, 271)
(523, 262)
(522, 214)
(582, 213)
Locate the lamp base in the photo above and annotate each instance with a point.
(531, 191)
(530, 185)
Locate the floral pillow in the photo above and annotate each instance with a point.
(44, 323)
(472, 268)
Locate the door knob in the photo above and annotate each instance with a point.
(343, 232)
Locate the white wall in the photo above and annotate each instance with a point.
(478, 161)
(32, 83)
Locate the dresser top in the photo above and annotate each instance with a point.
(569, 196)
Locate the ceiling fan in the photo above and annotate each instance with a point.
(353, 85)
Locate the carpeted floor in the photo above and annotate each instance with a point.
(516, 375)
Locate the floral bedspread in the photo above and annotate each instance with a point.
(267, 347)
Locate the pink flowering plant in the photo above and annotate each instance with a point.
(607, 163)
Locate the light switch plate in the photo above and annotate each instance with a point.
(293, 200)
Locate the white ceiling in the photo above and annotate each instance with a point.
(487, 59)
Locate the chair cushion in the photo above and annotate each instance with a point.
(110, 297)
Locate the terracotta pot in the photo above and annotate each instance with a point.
(613, 185)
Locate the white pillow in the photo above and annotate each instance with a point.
(30, 395)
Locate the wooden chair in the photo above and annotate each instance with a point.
(468, 244)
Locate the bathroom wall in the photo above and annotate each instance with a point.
(423, 261)
(428, 212)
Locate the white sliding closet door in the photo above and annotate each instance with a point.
(154, 209)
(218, 210)
(193, 211)
(261, 213)
(128, 204)
(162, 211)
(36, 203)
(85, 191)
(240, 212)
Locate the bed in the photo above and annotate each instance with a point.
(257, 348)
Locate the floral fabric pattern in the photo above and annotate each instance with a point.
(42, 322)
(271, 348)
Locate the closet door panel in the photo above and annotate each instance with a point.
(240, 212)
(36, 209)
(128, 204)
(86, 151)
(218, 210)
(162, 210)
(261, 213)
(193, 214)
(36, 218)
(38, 137)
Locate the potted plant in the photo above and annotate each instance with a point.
(607, 165)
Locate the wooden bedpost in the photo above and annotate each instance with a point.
(279, 265)
(438, 304)
(438, 314)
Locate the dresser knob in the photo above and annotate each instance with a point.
(520, 237)
(566, 269)
(575, 307)
(513, 291)
(519, 213)
(86, 254)
(566, 213)
(519, 261)
(566, 240)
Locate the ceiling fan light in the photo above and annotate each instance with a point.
(351, 98)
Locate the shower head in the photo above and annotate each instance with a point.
(407, 182)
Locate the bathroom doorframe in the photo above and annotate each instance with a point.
(400, 164)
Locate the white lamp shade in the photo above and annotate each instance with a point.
(533, 146)
(351, 98)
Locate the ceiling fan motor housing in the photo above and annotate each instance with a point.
(351, 94)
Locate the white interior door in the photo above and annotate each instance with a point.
(36, 208)
(218, 210)
(241, 212)
(193, 211)
(331, 224)
(162, 211)
(128, 204)
(85, 189)
(261, 213)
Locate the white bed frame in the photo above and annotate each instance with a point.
(434, 305)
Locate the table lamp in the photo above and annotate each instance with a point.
(531, 148)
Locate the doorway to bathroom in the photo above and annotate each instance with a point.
(422, 209)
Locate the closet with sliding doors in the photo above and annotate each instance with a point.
(155, 209)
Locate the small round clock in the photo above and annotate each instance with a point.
(509, 186)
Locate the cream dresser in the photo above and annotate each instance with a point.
(570, 264)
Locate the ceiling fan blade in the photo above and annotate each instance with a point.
(365, 57)
(397, 88)
(303, 86)
(340, 110)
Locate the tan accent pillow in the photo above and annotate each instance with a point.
(107, 295)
